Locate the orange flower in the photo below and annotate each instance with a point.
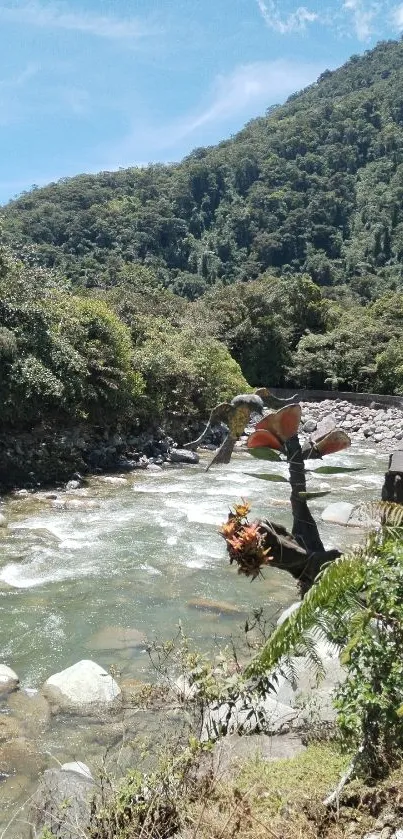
(227, 530)
(249, 535)
(242, 510)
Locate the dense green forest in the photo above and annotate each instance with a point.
(274, 257)
(314, 186)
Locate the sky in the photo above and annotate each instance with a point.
(89, 85)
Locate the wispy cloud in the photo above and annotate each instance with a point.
(363, 14)
(20, 79)
(60, 16)
(293, 22)
(251, 85)
(238, 96)
(11, 88)
(397, 16)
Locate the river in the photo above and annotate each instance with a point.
(132, 552)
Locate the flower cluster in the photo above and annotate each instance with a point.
(245, 542)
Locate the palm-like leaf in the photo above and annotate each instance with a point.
(334, 594)
(283, 424)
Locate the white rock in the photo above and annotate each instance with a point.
(72, 485)
(84, 687)
(277, 717)
(79, 767)
(8, 679)
(184, 689)
(287, 612)
(338, 513)
(312, 697)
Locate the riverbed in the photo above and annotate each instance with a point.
(136, 552)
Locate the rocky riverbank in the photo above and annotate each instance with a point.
(44, 457)
(380, 426)
(47, 458)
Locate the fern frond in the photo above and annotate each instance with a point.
(382, 512)
(335, 592)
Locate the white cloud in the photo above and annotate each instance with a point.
(294, 22)
(397, 16)
(59, 16)
(251, 85)
(240, 95)
(363, 13)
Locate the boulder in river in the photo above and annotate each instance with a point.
(83, 688)
(8, 680)
(338, 513)
(62, 804)
(3, 520)
(32, 710)
(218, 607)
(183, 456)
(116, 638)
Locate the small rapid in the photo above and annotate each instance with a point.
(98, 572)
(133, 551)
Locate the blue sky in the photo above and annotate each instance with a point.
(87, 85)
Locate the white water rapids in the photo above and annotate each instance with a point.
(132, 553)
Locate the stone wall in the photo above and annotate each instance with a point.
(45, 457)
(364, 399)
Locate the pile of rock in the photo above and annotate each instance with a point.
(378, 425)
(42, 457)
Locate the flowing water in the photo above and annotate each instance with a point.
(134, 552)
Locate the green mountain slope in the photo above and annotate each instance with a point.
(314, 186)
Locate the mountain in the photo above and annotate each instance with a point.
(314, 186)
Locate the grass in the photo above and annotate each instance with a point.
(275, 799)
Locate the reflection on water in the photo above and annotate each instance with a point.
(132, 553)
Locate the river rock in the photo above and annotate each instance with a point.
(233, 749)
(116, 638)
(271, 714)
(21, 755)
(183, 456)
(62, 804)
(288, 612)
(32, 710)
(3, 520)
(9, 728)
(305, 692)
(8, 680)
(309, 425)
(83, 688)
(73, 485)
(339, 512)
(77, 766)
(218, 607)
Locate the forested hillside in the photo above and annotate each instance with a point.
(145, 296)
(315, 186)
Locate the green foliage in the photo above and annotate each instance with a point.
(285, 242)
(357, 602)
(370, 701)
(185, 374)
(314, 186)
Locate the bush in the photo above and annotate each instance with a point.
(185, 374)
